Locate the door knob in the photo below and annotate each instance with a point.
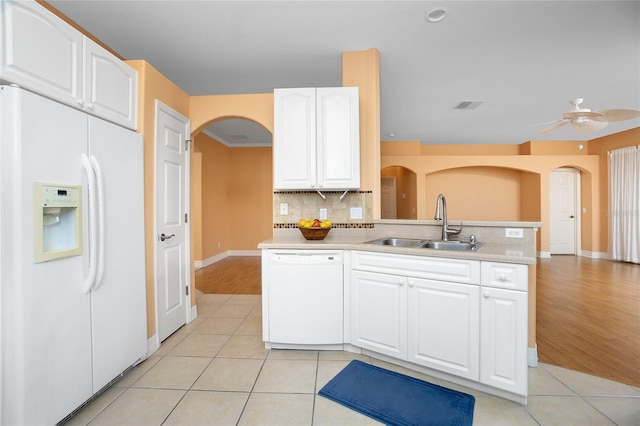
(571, 217)
(166, 237)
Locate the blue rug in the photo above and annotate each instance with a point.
(396, 399)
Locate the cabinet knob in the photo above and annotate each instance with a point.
(502, 277)
(90, 106)
(486, 294)
(411, 283)
(80, 102)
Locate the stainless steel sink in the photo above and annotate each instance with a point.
(430, 244)
(398, 242)
(450, 245)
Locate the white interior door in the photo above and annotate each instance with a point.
(563, 205)
(172, 248)
(388, 197)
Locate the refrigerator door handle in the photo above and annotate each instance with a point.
(100, 210)
(91, 184)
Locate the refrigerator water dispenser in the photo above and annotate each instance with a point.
(57, 221)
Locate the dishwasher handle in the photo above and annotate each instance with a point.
(305, 258)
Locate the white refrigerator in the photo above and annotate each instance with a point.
(74, 319)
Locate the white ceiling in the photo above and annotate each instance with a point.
(524, 59)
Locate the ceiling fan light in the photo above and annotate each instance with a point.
(588, 125)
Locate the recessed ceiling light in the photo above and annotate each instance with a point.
(391, 135)
(436, 15)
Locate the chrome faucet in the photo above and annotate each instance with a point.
(446, 231)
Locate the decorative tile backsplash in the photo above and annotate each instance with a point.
(307, 205)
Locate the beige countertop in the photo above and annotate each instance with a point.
(488, 251)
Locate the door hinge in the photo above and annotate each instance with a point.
(186, 218)
(187, 290)
(186, 144)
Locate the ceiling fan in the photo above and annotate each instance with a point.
(585, 120)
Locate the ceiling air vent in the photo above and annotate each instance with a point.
(468, 105)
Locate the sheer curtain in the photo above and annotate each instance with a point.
(624, 204)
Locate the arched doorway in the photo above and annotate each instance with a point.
(398, 193)
(231, 188)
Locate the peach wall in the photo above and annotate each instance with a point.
(196, 202)
(469, 150)
(237, 197)
(151, 86)
(476, 193)
(210, 108)
(214, 175)
(362, 69)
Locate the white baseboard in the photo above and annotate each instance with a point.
(532, 356)
(218, 257)
(153, 344)
(595, 254)
(194, 313)
(544, 255)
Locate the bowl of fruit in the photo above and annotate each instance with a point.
(314, 229)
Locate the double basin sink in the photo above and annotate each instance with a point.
(429, 244)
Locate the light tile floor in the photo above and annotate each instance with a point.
(216, 371)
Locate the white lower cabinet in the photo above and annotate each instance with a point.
(503, 349)
(443, 329)
(475, 329)
(379, 313)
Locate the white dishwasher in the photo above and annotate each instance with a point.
(305, 300)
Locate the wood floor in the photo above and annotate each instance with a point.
(232, 275)
(588, 310)
(588, 316)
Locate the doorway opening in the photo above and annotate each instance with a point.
(398, 193)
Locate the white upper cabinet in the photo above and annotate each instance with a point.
(110, 86)
(42, 53)
(316, 144)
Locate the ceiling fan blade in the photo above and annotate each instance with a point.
(588, 125)
(558, 124)
(546, 122)
(610, 115)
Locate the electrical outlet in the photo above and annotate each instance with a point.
(323, 214)
(356, 212)
(514, 233)
(284, 209)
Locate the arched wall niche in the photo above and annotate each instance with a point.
(485, 193)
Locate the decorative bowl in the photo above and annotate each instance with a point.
(314, 233)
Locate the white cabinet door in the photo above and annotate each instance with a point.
(503, 350)
(316, 140)
(379, 313)
(110, 86)
(40, 52)
(443, 326)
(294, 142)
(338, 137)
